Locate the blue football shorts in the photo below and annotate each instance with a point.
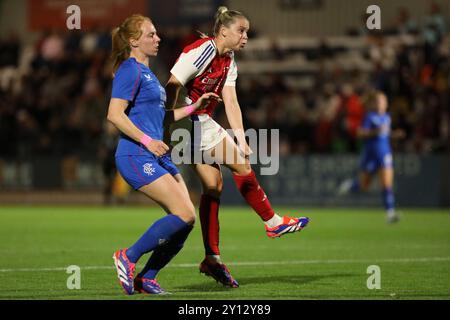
(373, 162)
(141, 170)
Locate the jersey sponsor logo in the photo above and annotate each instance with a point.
(207, 80)
(148, 77)
(148, 169)
(204, 56)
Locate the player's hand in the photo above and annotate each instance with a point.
(383, 129)
(205, 99)
(398, 134)
(157, 147)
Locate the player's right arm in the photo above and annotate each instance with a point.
(173, 88)
(363, 133)
(124, 90)
(117, 116)
(189, 65)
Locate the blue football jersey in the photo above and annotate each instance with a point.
(379, 144)
(136, 83)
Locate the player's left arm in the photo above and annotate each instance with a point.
(365, 131)
(234, 116)
(232, 108)
(396, 133)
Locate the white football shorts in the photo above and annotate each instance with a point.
(206, 133)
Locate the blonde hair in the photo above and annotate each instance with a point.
(129, 29)
(225, 17)
(370, 99)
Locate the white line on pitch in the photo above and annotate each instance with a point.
(255, 263)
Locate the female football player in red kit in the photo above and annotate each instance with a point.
(208, 65)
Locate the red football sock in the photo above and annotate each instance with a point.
(209, 219)
(254, 195)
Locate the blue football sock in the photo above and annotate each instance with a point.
(355, 186)
(158, 234)
(388, 199)
(164, 254)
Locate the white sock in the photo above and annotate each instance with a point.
(390, 213)
(274, 221)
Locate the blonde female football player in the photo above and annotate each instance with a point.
(208, 65)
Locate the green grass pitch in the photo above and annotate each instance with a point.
(327, 260)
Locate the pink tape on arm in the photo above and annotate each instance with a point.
(145, 140)
(189, 109)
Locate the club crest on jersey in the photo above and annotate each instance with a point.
(148, 169)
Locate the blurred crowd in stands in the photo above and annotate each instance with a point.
(54, 94)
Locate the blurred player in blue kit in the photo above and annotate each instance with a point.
(137, 109)
(376, 155)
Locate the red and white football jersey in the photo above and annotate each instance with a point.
(200, 69)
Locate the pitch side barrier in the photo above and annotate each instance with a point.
(420, 180)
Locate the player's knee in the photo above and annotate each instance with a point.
(243, 170)
(386, 183)
(190, 212)
(214, 190)
(187, 213)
